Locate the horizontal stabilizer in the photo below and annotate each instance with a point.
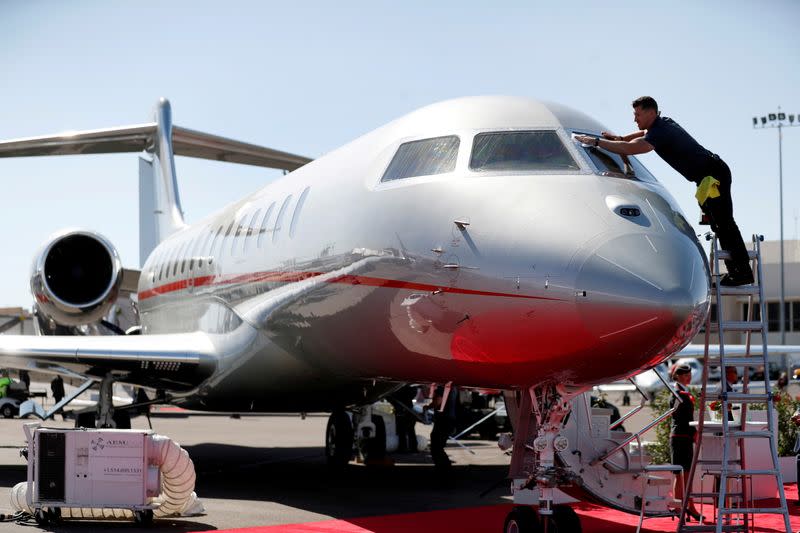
(142, 137)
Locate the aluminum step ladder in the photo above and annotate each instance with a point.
(730, 494)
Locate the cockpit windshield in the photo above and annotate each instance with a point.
(520, 151)
(610, 164)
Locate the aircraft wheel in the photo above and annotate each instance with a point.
(143, 517)
(7, 411)
(563, 520)
(122, 419)
(374, 448)
(339, 439)
(85, 420)
(521, 520)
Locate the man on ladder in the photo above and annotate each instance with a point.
(696, 164)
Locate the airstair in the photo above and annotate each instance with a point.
(612, 466)
(720, 452)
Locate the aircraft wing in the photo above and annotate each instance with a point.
(174, 362)
(698, 350)
(141, 137)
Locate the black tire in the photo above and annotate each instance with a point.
(143, 517)
(564, 520)
(8, 411)
(375, 448)
(85, 420)
(521, 520)
(339, 439)
(488, 430)
(122, 419)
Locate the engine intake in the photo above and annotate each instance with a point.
(76, 278)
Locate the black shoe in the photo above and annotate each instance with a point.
(694, 514)
(735, 279)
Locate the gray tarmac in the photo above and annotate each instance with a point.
(269, 470)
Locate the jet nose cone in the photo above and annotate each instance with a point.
(644, 294)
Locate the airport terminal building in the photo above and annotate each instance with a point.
(737, 309)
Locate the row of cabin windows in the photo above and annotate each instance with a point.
(234, 238)
(515, 151)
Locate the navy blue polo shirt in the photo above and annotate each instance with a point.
(680, 150)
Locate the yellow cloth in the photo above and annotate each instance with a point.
(708, 188)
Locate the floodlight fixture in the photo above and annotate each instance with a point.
(763, 120)
(791, 119)
(755, 121)
(781, 116)
(772, 117)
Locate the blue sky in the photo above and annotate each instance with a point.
(307, 77)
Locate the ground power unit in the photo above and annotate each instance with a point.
(104, 474)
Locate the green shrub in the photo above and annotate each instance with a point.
(787, 430)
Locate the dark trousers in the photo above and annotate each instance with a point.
(442, 428)
(406, 436)
(720, 213)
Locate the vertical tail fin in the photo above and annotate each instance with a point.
(160, 213)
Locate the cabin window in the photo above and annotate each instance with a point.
(264, 223)
(239, 234)
(279, 219)
(205, 247)
(226, 238)
(214, 242)
(251, 230)
(180, 259)
(520, 151)
(426, 157)
(194, 256)
(297, 208)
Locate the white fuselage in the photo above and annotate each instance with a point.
(499, 279)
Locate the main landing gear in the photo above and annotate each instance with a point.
(364, 432)
(535, 471)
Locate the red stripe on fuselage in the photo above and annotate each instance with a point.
(290, 277)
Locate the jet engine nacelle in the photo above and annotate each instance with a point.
(76, 278)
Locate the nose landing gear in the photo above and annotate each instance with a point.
(535, 472)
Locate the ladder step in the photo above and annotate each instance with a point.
(751, 472)
(738, 325)
(736, 361)
(711, 527)
(741, 397)
(724, 254)
(748, 434)
(718, 430)
(716, 462)
(715, 495)
(754, 510)
(741, 290)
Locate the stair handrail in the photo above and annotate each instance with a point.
(645, 429)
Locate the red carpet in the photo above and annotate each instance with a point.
(595, 519)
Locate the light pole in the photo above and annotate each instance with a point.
(778, 120)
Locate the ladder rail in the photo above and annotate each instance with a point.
(733, 433)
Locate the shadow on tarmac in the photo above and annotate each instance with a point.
(300, 479)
